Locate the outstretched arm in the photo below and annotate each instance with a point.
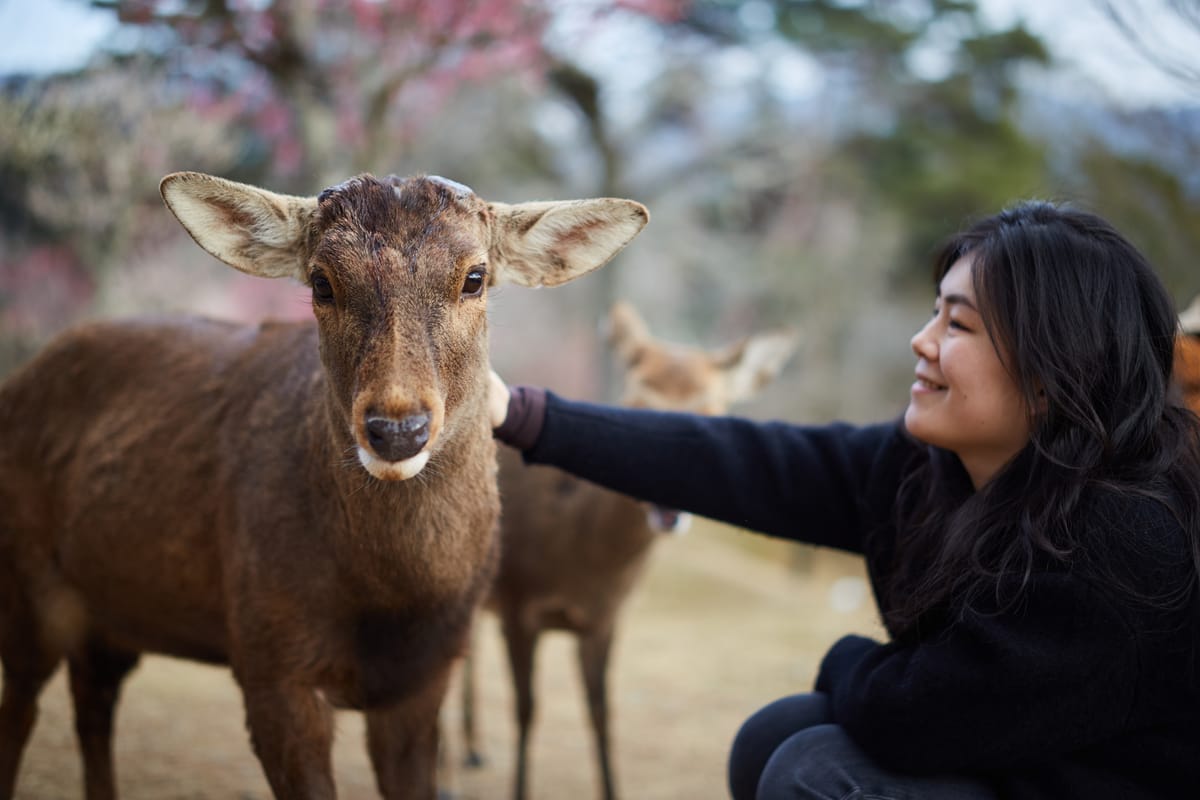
(797, 482)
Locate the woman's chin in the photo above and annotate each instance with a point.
(913, 424)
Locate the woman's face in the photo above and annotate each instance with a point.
(964, 400)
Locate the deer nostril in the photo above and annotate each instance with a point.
(398, 439)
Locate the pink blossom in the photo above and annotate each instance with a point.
(661, 10)
(52, 285)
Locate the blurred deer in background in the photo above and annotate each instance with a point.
(572, 551)
(313, 503)
(1187, 355)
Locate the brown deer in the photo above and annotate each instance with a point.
(1187, 355)
(314, 503)
(572, 551)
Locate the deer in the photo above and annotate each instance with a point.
(313, 504)
(1186, 371)
(572, 551)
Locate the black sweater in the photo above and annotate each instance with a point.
(1077, 691)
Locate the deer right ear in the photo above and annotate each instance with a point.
(549, 243)
(250, 229)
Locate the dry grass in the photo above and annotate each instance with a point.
(722, 623)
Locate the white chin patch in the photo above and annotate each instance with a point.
(392, 470)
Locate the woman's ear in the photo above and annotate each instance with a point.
(1041, 404)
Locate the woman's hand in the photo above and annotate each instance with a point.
(497, 400)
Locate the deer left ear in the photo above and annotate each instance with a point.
(550, 243)
(627, 332)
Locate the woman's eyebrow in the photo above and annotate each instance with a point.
(961, 300)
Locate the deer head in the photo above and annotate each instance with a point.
(399, 271)
(670, 377)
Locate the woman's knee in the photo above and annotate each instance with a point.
(818, 762)
(824, 763)
(764, 732)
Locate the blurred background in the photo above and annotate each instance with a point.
(801, 159)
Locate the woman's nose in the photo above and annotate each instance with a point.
(923, 343)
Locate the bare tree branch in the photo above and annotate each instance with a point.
(1144, 23)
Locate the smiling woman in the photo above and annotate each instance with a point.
(964, 399)
(1031, 528)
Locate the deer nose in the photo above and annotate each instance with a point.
(398, 439)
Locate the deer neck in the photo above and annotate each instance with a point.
(435, 527)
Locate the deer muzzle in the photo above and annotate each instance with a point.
(396, 448)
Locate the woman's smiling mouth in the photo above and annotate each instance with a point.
(925, 384)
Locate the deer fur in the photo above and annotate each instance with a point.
(572, 551)
(312, 503)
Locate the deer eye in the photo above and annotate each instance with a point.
(473, 285)
(322, 289)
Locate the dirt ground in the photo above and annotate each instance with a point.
(722, 623)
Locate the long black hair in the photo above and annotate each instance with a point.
(1087, 330)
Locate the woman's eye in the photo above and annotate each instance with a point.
(322, 289)
(473, 285)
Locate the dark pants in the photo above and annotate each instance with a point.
(790, 749)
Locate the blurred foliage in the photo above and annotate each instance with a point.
(80, 166)
(956, 148)
(80, 149)
(328, 84)
(1148, 202)
(936, 149)
(801, 158)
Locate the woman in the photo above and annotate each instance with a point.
(1031, 527)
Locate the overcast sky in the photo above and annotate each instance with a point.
(59, 34)
(1081, 35)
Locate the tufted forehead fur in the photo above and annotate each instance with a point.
(379, 205)
(420, 218)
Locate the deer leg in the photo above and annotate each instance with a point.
(474, 756)
(18, 713)
(402, 741)
(96, 675)
(28, 665)
(521, 642)
(594, 648)
(291, 730)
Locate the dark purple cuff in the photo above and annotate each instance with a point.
(526, 415)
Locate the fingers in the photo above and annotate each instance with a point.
(497, 399)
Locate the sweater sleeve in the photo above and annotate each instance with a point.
(798, 482)
(1001, 689)
(523, 421)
